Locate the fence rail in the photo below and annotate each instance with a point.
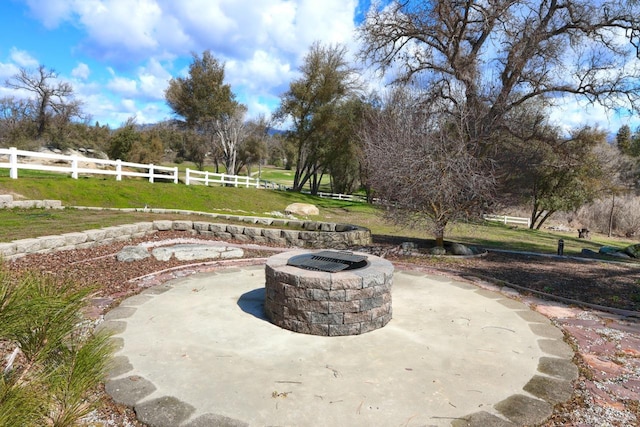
(76, 165)
(337, 196)
(508, 219)
(208, 178)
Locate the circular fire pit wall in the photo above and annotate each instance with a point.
(352, 298)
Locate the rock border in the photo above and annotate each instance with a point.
(303, 234)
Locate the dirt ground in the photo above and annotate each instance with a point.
(607, 342)
(609, 284)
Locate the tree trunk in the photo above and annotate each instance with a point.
(613, 206)
(313, 184)
(544, 218)
(535, 215)
(440, 227)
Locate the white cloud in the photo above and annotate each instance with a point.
(128, 26)
(154, 79)
(149, 83)
(259, 73)
(570, 114)
(123, 86)
(261, 42)
(81, 71)
(151, 113)
(118, 29)
(129, 105)
(51, 12)
(22, 58)
(8, 71)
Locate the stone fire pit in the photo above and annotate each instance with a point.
(351, 301)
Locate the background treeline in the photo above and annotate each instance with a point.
(432, 161)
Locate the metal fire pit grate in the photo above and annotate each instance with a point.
(329, 261)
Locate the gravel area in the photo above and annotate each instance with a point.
(607, 344)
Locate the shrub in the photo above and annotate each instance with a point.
(58, 360)
(626, 215)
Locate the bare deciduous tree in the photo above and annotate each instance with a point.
(231, 130)
(52, 99)
(253, 149)
(421, 168)
(15, 121)
(483, 59)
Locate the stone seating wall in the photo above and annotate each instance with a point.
(297, 233)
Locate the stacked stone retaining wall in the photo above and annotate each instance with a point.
(7, 202)
(304, 234)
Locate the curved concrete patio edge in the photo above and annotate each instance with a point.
(550, 385)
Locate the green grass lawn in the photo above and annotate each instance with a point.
(285, 177)
(278, 175)
(138, 193)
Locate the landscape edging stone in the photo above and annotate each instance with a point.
(340, 236)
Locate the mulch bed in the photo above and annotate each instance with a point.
(609, 284)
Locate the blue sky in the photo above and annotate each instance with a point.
(120, 54)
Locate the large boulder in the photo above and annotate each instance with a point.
(460, 249)
(632, 251)
(304, 209)
(437, 250)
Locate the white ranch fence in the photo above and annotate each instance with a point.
(508, 219)
(15, 160)
(76, 165)
(336, 196)
(208, 178)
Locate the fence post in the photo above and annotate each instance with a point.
(206, 178)
(151, 173)
(186, 177)
(13, 163)
(74, 167)
(118, 170)
(175, 175)
(235, 180)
